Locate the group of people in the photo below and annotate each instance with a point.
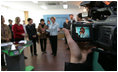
(18, 32)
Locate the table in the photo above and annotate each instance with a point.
(15, 55)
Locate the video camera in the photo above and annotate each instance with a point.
(102, 32)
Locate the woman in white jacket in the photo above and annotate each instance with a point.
(53, 29)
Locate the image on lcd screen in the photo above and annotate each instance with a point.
(83, 32)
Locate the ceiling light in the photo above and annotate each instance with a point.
(35, 1)
(65, 6)
(43, 7)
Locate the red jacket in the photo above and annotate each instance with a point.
(18, 31)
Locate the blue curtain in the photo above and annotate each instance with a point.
(60, 19)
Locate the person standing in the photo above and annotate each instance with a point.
(5, 37)
(24, 26)
(18, 31)
(79, 17)
(53, 29)
(10, 26)
(32, 34)
(72, 21)
(43, 38)
(48, 24)
(67, 26)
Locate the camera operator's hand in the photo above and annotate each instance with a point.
(74, 48)
(78, 55)
(66, 31)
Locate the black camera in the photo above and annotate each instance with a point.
(102, 32)
(104, 25)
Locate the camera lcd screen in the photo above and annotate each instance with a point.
(83, 32)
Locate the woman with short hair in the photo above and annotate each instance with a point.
(43, 38)
(18, 30)
(53, 29)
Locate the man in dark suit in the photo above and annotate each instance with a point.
(67, 26)
(32, 34)
(72, 21)
(10, 26)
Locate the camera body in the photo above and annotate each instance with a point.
(103, 36)
(102, 31)
(104, 24)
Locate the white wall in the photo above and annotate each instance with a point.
(12, 9)
(36, 15)
(10, 13)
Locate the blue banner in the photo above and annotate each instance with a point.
(60, 19)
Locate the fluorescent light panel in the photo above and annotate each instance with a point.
(65, 6)
(35, 1)
(44, 7)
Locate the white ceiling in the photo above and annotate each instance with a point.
(29, 5)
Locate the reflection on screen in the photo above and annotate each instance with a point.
(83, 32)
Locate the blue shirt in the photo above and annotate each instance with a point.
(53, 29)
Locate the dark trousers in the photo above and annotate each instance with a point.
(43, 43)
(50, 39)
(53, 40)
(65, 40)
(12, 39)
(2, 60)
(33, 47)
(18, 39)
